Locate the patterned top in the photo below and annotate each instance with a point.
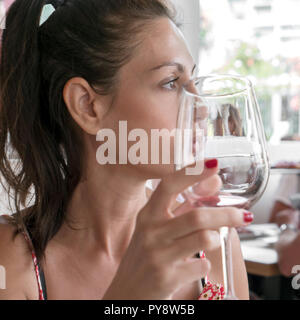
(211, 291)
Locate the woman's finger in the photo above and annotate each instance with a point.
(205, 189)
(192, 270)
(170, 186)
(208, 187)
(186, 247)
(204, 218)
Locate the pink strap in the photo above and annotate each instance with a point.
(35, 263)
(34, 259)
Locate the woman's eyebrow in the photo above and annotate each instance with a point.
(179, 66)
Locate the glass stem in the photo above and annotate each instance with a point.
(227, 263)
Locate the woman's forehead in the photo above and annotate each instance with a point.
(164, 44)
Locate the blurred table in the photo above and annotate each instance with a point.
(258, 249)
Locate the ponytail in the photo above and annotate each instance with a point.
(26, 123)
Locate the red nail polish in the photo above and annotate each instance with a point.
(248, 217)
(210, 164)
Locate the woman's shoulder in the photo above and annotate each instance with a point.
(16, 260)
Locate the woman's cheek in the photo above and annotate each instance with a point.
(150, 109)
(164, 115)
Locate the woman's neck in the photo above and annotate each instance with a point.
(103, 211)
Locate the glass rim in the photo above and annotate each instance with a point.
(244, 79)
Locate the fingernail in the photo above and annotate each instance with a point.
(248, 217)
(210, 164)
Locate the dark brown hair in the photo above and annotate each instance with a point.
(91, 39)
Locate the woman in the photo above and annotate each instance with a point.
(95, 234)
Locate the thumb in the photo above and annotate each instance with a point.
(170, 186)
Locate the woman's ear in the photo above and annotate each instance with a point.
(86, 107)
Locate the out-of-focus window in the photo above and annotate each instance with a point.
(4, 6)
(2, 14)
(259, 39)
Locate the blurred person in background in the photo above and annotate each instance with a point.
(286, 216)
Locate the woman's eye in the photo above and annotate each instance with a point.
(171, 85)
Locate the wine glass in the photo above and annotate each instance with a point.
(219, 118)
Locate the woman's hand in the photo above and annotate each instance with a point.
(159, 259)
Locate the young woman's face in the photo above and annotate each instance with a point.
(149, 89)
